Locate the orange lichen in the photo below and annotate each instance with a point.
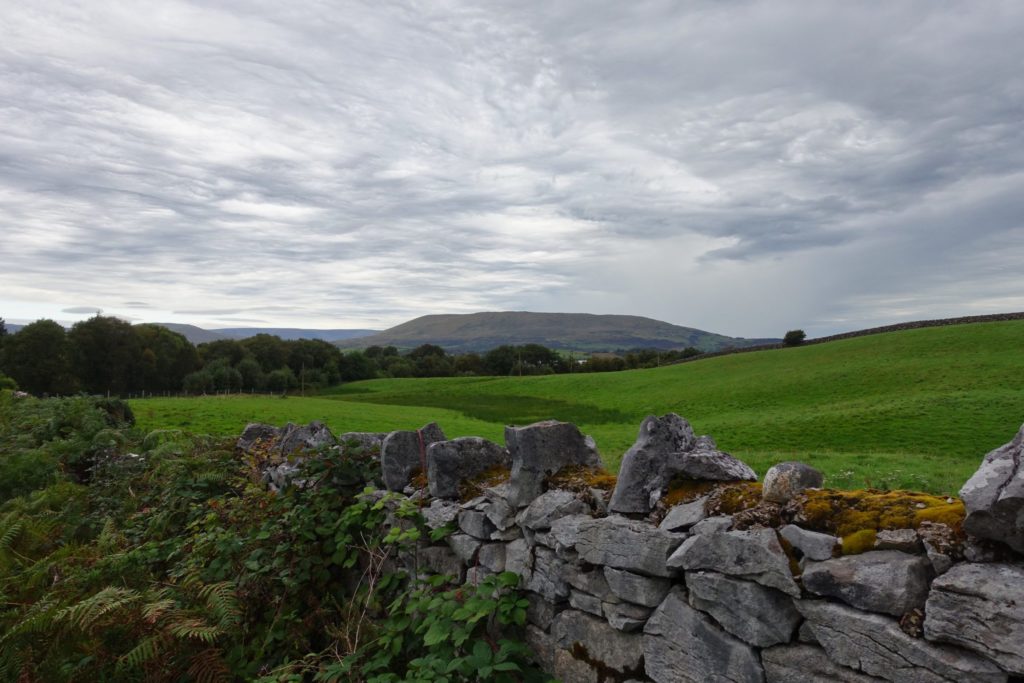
(489, 478)
(579, 478)
(419, 480)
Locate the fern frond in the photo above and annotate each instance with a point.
(10, 534)
(208, 667)
(87, 612)
(220, 598)
(196, 629)
(145, 651)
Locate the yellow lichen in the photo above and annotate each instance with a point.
(794, 564)
(686, 490)
(845, 513)
(732, 498)
(489, 478)
(579, 478)
(859, 541)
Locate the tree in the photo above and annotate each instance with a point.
(251, 373)
(106, 355)
(282, 380)
(794, 338)
(37, 357)
(167, 357)
(268, 349)
(3, 328)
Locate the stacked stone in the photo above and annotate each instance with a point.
(615, 596)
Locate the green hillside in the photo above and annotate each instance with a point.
(569, 331)
(914, 409)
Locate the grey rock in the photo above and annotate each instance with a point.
(904, 540)
(711, 525)
(441, 560)
(440, 513)
(519, 557)
(755, 554)
(805, 634)
(981, 607)
(464, 546)
(257, 435)
(994, 496)
(403, 453)
(704, 442)
(509, 534)
(885, 581)
(500, 511)
(565, 532)
(549, 507)
(539, 611)
(940, 561)
(492, 557)
(626, 544)
(550, 575)
(476, 524)
(874, 644)
(615, 650)
(592, 582)
(806, 664)
(811, 544)
(708, 465)
(585, 602)
(682, 645)
(569, 669)
(756, 615)
(626, 617)
(542, 449)
(542, 645)
(685, 515)
(449, 463)
(637, 589)
(300, 439)
(475, 575)
(647, 466)
(361, 441)
(787, 479)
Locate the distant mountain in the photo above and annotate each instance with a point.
(196, 335)
(292, 333)
(570, 331)
(12, 328)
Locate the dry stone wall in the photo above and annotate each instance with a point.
(674, 573)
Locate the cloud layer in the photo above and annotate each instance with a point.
(745, 167)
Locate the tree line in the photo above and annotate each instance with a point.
(106, 355)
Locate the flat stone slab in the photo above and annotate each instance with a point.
(549, 507)
(598, 641)
(640, 590)
(874, 644)
(981, 607)
(756, 615)
(811, 544)
(682, 645)
(685, 515)
(754, 554)
(806, 664)
(627, 544)
(886, 581)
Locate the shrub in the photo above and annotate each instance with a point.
(794, 338)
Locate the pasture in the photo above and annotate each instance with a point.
(913, 409)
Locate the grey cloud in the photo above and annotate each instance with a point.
(377, 162)
(81, 309)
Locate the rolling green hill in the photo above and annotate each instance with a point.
(569, 331)
(915, 409)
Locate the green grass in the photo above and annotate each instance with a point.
(914, 409)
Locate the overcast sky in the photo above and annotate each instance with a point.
(741, 167)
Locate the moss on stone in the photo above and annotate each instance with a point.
(845, 513)
(859, 541)
(489, 478)
(580, 478)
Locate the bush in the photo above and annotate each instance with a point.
(794, 338)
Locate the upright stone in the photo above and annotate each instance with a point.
(994, 496)
(257, 435)
(681, 645)
(981, 607)
(542, 449)
(402, 453)
(449, 463)
(646, 466)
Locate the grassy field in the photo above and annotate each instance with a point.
(913, 409)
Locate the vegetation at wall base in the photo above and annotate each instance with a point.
(157, 556)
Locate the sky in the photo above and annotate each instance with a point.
(740, 167)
